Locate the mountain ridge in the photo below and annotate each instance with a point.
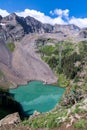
(20, 26)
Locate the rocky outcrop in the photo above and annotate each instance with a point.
(34, 26)
(10, 119)
(66, 29)
(16, 27)
(83, 33)
(12, 27)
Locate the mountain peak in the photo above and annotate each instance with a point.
(13, 14)
(11, 17)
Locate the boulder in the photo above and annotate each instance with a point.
(36, 113)
(10, 119)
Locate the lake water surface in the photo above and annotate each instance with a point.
(37, 96)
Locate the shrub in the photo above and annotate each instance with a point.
(11, 46)
(1, 74)
(63, 81)
(47, 50)
(80, 124)
(68, 66)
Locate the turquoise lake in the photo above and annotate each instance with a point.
(37, 96)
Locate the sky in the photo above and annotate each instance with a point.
(48, 11)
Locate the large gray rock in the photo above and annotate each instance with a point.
(10, 119)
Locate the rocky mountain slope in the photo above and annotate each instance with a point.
(19, 61)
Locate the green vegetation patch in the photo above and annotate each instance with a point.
(63, 81)
(1, 74)
(68, 65)
(11, 46)
(81, 124)
(65, 58)
(47, 50)
(47, 120)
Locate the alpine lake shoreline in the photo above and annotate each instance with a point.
(50, 87)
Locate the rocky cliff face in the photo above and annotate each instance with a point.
(66, 28)
(16, 27)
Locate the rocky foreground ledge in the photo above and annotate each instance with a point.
(11, 119)
(67, 120)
